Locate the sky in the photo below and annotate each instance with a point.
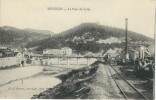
(46, 14)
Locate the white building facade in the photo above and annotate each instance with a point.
(62, 51)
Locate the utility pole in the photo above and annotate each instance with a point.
(22, 62)
(126, 39)
(22, 51)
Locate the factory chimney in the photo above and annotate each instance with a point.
(126, 40)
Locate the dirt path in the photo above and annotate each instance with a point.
(104, 85)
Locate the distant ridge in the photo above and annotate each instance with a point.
(45, 32)
(14, 36)
(90, 37)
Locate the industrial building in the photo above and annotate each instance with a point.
(138, 51)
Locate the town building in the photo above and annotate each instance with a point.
(2, 47)
(6, 53)
(9, 58)
(51, 52)
(66, 51)
(18, 54)
(58, 52)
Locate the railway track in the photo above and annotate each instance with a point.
(138, 95)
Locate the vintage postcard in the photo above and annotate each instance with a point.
(77, 49)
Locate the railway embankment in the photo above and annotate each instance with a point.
(91, 82)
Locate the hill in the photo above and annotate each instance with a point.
(45, 32)
(90, 37)
(14, 36)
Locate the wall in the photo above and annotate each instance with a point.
(9, 61)
(36, 62)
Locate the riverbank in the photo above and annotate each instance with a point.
(9, 67)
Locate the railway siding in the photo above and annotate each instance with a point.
(129, 90)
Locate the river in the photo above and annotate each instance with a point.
(26, 87)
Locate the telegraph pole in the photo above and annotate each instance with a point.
(126, 39)
(22, 62)
(22, 51)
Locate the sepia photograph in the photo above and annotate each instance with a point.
(77, 49)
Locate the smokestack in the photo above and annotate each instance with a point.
(126, 47)
(155, 34)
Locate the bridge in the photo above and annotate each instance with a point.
(64, 60)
